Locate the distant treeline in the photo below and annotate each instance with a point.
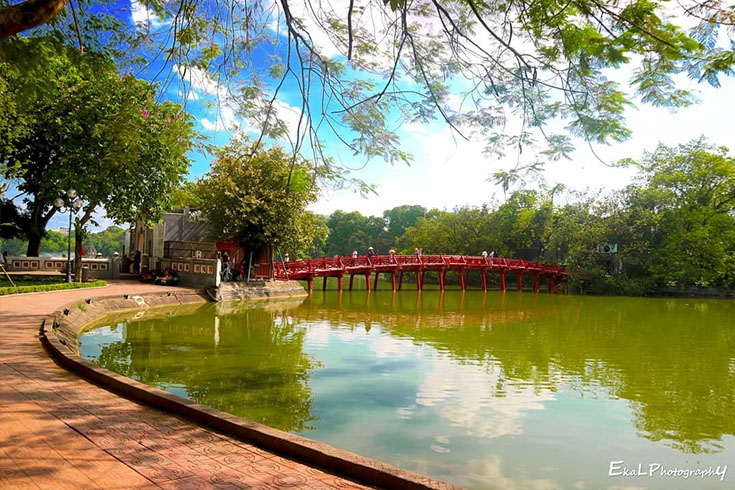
(674, 227)
(54, 243)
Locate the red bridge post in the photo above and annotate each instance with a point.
(520, 281)
(502, 279)
(535, 283)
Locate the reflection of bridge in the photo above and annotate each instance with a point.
(418, 265)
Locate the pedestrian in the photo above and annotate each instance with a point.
(484, 255)
(354, 255)
(416, 252)
(4, 257)
(370, 251)
(286, 258)
(421, 251)
(136, 262)
(391, 252)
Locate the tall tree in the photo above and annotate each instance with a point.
(87, 128)
(258, 196)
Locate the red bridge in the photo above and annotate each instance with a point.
(418, 265)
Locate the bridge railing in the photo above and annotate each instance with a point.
(326, 266)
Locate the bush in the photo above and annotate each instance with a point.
(51, 287)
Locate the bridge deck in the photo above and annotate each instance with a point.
(417, 264)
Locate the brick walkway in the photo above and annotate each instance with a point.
(58, 431)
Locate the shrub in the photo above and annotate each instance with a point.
(51, 287)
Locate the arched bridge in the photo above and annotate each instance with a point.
(397, 265)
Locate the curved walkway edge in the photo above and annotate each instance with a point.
(60, 431)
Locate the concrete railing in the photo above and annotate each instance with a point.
(105, 268)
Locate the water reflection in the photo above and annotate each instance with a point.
(482, 389)
(244, 362)
(673, 359)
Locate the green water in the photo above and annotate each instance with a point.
(496, 390)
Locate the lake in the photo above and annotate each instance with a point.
(485, 390)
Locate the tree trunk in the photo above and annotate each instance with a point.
(37, 228)
(34, 245)
(25, 15)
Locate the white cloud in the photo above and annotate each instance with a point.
(143, 17)
(210, 126)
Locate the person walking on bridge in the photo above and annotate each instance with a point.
(370, 252)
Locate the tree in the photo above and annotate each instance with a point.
(258, 196)
(530, 62)
(88, 128)
(352, 230)
(694, 188)
(402, 217)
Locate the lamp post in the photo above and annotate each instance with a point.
(72, 205)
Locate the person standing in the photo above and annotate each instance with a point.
(484, 255)
(370, 251)
(136, 262)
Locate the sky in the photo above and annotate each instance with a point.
(448, 171)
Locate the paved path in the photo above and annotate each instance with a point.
(58, 431)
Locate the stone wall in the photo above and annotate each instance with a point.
(199, 273)
(259, 289)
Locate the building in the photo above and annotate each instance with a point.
(181, 234)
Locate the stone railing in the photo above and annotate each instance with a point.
(105, 268)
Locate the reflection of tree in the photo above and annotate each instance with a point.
(245, 364)
(672, 359)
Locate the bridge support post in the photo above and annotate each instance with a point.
(393, 280)
(339, 283)
(375, 284)
(462, 283)
(324, 283)
(535, 283)
(419, 273)
(442, 278)
(310, 283)
(352, 278)
(400, 280)
(520, 281)
(367, 280)
(552, 284)
(484, 279)
(502, 280)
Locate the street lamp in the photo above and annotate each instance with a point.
(72, 205)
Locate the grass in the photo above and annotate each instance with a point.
(57, 286)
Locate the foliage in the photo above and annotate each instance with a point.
(258, 196)
(51, 287)
(508, 71)
(674, 227)
(88, 128)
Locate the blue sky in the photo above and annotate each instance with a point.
(448, 171)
